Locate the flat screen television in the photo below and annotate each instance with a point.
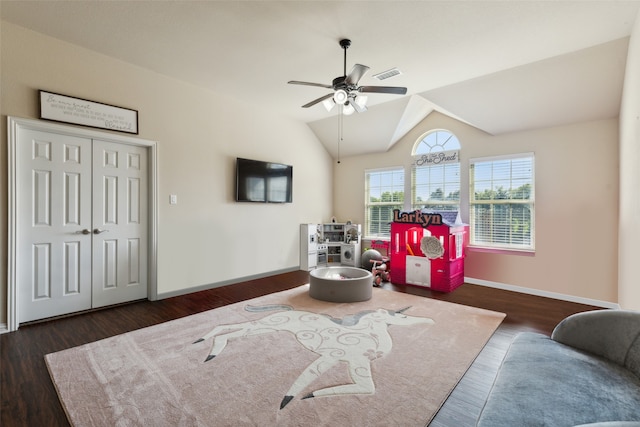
(265, 182)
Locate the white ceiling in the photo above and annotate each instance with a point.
(501, 66)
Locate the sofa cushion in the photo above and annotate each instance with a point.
(545, 383)
(612, 334)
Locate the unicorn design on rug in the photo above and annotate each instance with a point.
(356, 339)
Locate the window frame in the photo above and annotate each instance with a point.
(473, 202)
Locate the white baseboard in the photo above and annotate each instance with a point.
(540, 293)
(186, 291)
(3, 328)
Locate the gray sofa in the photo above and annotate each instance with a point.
(586, 373)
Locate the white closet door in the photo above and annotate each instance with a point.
(54, 210)
(119, 223)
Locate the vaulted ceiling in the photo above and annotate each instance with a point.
(501, 66)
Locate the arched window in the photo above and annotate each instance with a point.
(435, 174)
(436, 141)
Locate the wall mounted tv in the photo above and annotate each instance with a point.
(265, 182)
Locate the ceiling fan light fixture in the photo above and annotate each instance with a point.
(347, 109)
(340, 96)
(360, 103)
(329, 104)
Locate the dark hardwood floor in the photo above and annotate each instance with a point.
(29, 398)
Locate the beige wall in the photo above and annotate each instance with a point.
(576, 203)
(630, 177)
(207, 237)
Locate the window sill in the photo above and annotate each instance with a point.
(502, 251)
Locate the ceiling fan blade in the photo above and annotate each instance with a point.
(356, 74)
(383, 89)
(316, 101)
(295, 82)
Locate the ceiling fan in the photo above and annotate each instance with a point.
(346, 90)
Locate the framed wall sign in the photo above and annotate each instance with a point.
(62, 108)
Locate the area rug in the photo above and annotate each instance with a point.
(284, 359)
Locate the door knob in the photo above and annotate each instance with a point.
(98, 231)
(85, 231)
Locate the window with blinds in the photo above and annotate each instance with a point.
(384, 192)
(435, 174)
(501, 202)
(436, 187)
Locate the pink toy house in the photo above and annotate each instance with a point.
(411, 266)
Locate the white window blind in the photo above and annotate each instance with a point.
(384, 192)
(435, 174)
(436, 187)
(502, 201)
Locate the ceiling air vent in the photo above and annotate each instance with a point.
(387, 74)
